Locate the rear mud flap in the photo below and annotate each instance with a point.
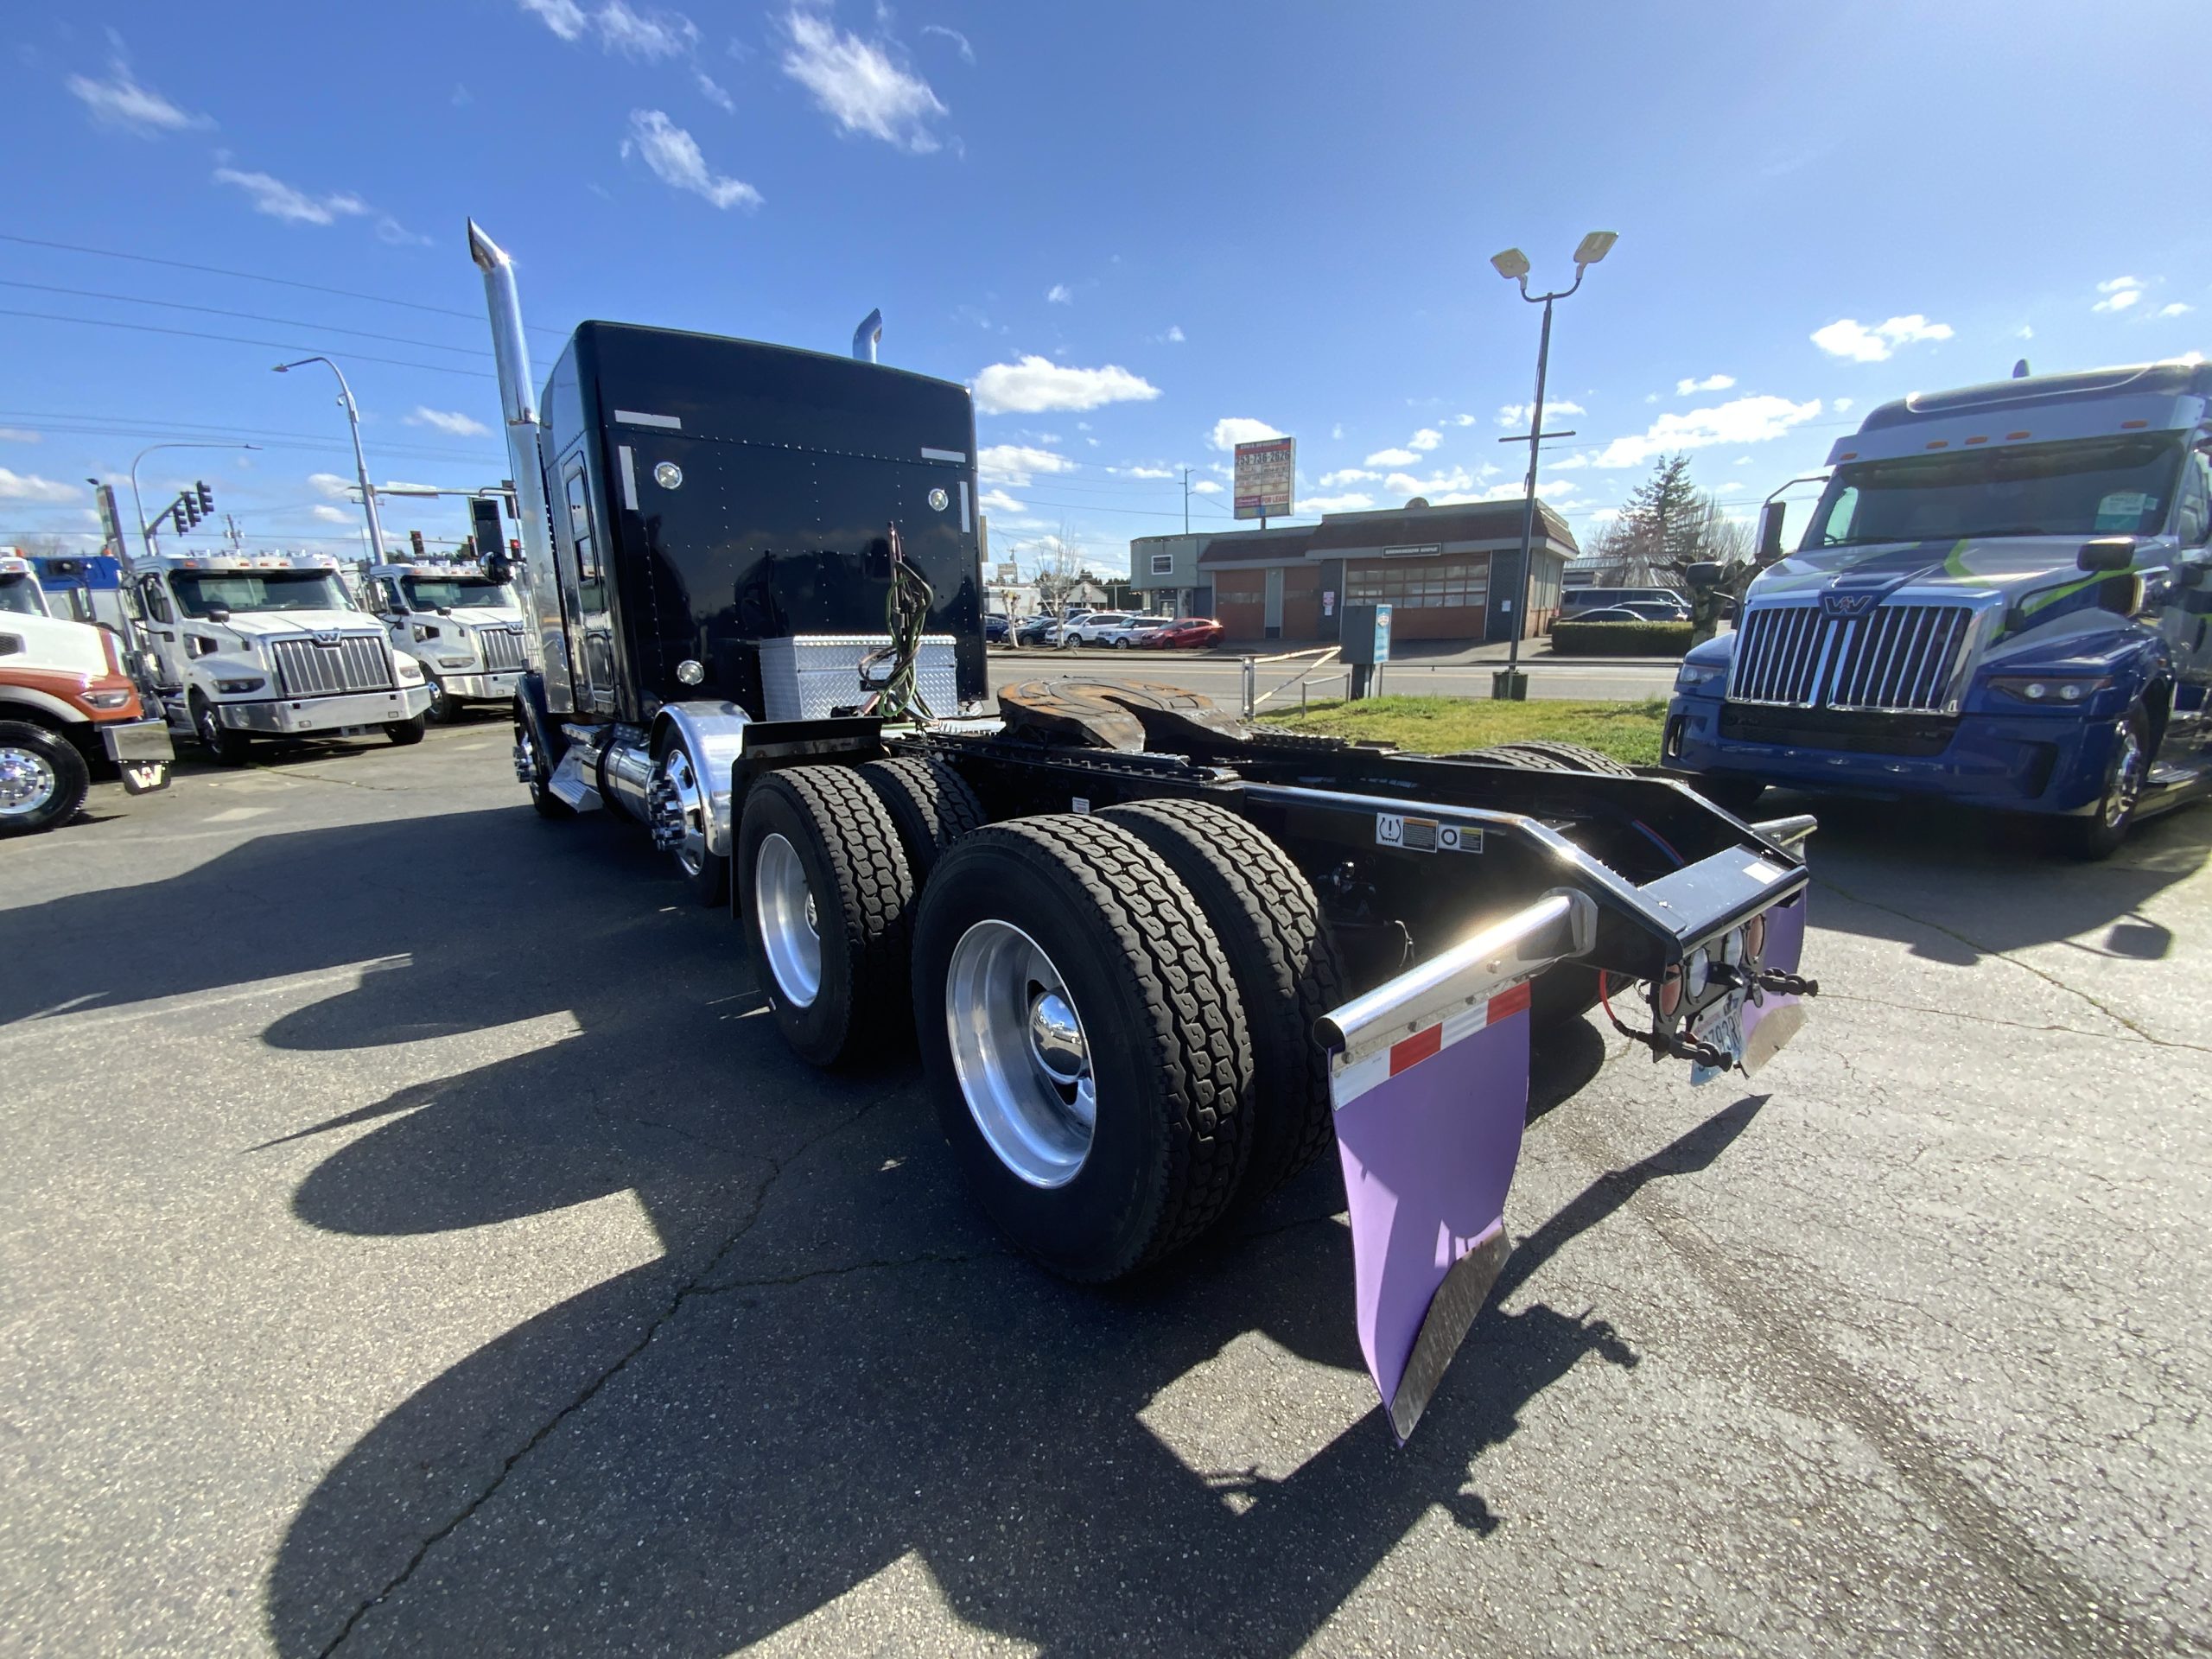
(1429, 1130)
(1773, 1020)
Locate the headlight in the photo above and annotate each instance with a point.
(453, 662)
(1695, 677)
(409, 669)
(238, 688)
(2047, 687)
(107, 699)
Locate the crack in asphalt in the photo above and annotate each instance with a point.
(2042, 974)
(694, 1286)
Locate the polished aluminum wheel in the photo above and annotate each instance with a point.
(1020, 1054)
(790, 933)
(680, 810)
(2127, 777)
(27, 781)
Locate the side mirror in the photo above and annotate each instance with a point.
(2108, 553)
(500, 568)
(445, 610)
(1770, 516)
(217, 614)
(1703, 575)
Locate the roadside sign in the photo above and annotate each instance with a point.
(1267, 477)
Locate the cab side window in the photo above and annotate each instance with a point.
(2193, 508)
(157, 600)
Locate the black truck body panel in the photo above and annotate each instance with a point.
(792, 466)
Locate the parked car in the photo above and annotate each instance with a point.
(1037, 631)
(1095, 628)
(1577, 603)
(997, 629)
(1184, 634)
(1136, 632)
(1631, 614)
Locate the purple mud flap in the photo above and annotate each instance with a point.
(1429, 1129)
(1773, 1020)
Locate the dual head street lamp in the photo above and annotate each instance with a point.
(1513, 265)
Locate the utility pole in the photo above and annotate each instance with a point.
(237, 540)
(1187, 500)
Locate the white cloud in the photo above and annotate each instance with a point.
(1206, 486)
(1338, 430)
(1016, 464)
(1572, 461)
(1711, 383)
(1145, 471)
(2120, 294)
(449, 420)
(2175, 309)
(1392, 458)
(2027, 331)
(967, 52)
(1348, 475)
(1037, 383)
(647, 36)
(1874, 343)
(564, 18)
(1174, 334)
(1353, 502)
(29, 487)
(391, 230)
(1463, 420)
(1440, 484)
(1059, 294)
(1841, 405)
(279, 199)
(714, 92)
(999, 501)
(1747, 420)
(675, 158)
(20, 435)
(1425, 439)
(858, 85)
(331, 485)
(334, 515)
(1510, 415)
(120, 102)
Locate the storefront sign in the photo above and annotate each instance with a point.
(1267, 477)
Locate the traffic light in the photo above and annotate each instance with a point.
(207, 499)
(415, 541)
(188, 510)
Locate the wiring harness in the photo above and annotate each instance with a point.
(892, 672)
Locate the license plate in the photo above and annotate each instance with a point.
(1723, 1027)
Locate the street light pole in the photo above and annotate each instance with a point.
(145, 533)
(1513, 264)
(361, 461)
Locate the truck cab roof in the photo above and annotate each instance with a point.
(219, 561)
(2035, 409)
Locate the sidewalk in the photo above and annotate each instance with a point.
(1439, 653)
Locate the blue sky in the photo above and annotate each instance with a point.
(1140, 230)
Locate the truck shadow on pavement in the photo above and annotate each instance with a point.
(837, 1368)
(1957, 886)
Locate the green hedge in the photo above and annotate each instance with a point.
(1620, 639)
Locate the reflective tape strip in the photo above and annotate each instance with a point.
(963, 506)
(1347, 1083)
(945, 454)
(629, 477)
(633, 417)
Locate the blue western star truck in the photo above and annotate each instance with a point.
(2002, 599)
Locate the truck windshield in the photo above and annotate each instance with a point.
(2096, 486)
(455, 593)
(21, 595)
(201, 591)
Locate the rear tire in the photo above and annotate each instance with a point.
(407, 733)
(1573, 757)
(43, 779)
(442, 711)
(1268, 921)
(827, 900)
(679, 791)
(931, 804)
(226, 745)
(1125, 961)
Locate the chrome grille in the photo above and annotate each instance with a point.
(1895, 657)
(502, 649)
(356, 661)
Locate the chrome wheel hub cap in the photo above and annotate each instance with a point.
(26, 782)
(2127, 778)
(679, 810)
(785, 910)
(525, 757)
(1020, 1053)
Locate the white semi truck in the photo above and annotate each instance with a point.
(463, 628)
(248, 645)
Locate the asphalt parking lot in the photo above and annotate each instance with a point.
(418, 1240)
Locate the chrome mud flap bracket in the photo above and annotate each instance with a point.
(1429, 1076)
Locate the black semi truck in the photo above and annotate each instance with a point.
(1157, 961)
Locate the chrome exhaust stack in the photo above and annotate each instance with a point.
(868, 336)
(541, 583)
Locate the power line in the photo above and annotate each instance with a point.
(246, 316)
(257, 277)
(234, 340)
